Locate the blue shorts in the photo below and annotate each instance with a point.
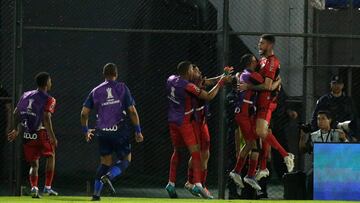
(114, 141)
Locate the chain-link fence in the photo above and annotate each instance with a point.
(72, 41)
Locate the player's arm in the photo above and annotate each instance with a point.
(266, 86)
(14, 126)
(49, 127)
(84, 120)
(49, 110)
(212, 81)
(202, 94)
(134, 117)
(133, 114)
(276, 84)
(84, 117)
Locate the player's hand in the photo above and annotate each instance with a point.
(139, 137)
(12, 135)
(342, 134)
(242, 87)
(89, 135)
(228, 70)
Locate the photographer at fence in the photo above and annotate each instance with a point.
(325, 134)
(340, 105)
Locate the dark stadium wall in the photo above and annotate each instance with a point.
(336, 51)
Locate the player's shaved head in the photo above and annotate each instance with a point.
(110, 70)
(269, 38)
(183, 67)
(42, 79)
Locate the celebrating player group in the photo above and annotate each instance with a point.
(258, 85)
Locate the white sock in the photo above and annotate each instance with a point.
(198, 184)
(172, 184)
(48, 187)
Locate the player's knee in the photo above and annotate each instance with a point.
(205, 155)
(194, 148)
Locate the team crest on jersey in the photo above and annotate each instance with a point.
(31, 101)
(109, 93)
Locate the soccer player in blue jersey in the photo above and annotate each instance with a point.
(113, 102)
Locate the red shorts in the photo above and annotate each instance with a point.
(203, 135)
(247, 126)
(37, 145)
(264, 111)
(183, 135)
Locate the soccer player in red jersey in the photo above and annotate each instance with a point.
(269, 68)
(33, 112)
(200, 125)
(245, 118)
(180, 113)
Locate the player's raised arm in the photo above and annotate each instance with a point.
(15, 126)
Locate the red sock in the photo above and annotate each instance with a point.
(239, 165)
(204, 176)
(264, 155)
(174, 162)
(196, 165)
(33, 180)
(49, 178)
(270, 138)
(191, 175)
(252, 167)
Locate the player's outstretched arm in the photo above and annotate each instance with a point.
(208, 96)
(134, 117)
(211, 81)
(14, 126)
(49, 127)
(84, 119)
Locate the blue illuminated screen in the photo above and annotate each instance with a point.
(337, 171)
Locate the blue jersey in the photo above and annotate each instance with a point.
(111, 99)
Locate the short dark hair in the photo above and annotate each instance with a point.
(326, 113)
(110, 70)
(245, 60)
(42, 79)
(183, 67)
(269, 38)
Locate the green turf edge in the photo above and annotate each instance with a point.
(81, 199)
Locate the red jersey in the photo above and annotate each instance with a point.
(269, 67)
(192, 90)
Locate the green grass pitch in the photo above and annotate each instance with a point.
(64, 199)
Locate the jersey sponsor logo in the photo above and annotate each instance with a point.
(112, 129)
(30, 136)
(31, 101)
(109, 93)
